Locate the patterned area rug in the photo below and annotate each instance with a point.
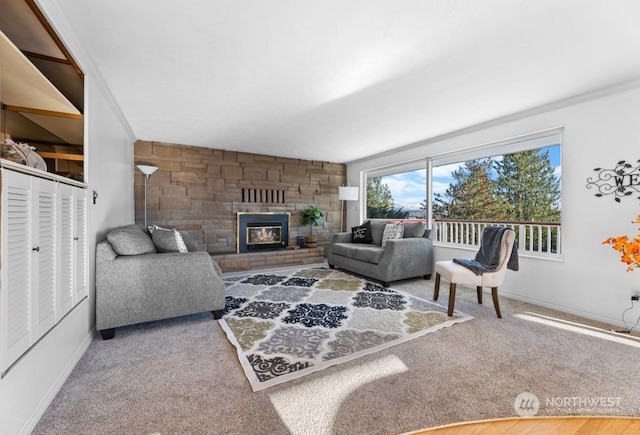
(290, 324)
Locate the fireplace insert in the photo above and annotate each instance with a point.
(262, 231)
(261, 234)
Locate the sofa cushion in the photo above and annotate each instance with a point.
(168, 240)
(392, 231)
(377, 228)
(130, 240)
(414, 229)
(359, 251)
(362, 233)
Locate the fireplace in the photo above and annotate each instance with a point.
(262, 231)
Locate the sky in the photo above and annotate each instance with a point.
(408, 188)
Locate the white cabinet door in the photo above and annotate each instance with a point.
(16, 295)
(44, 258)
(80, 245)
(44, 255)
(72, 282)
(65, 263)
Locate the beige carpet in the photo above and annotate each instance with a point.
(182, 376)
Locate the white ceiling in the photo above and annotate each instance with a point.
(339, 80)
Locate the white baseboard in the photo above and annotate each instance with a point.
(565, 309)
(37, 414)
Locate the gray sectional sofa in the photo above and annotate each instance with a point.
(407, 257)
(142, 278)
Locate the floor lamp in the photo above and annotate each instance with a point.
(146, 170)
(346, 193)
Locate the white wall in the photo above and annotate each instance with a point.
(27, 390)
(590, 281)
(109, 172)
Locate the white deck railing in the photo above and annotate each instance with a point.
(541, 239)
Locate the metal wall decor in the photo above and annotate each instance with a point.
(621, 181)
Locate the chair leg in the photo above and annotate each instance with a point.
(452, 298)
(494, 294)
(436, 287)
(479, 289)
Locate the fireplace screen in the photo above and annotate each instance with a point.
(264, 235)
(262, 231)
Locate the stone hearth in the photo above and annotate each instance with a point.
(266, 259)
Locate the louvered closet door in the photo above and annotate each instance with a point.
(44, 264)
(65, 276)
(15, 304)
(80, 245)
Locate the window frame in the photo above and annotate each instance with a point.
(527, 142)
(524, 142)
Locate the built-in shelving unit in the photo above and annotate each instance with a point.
(43, 213)
(23, 85)
(41, 91)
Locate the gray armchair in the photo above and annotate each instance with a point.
(152, 286)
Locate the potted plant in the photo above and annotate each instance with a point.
(310, 216)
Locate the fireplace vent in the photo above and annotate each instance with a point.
(264, 196)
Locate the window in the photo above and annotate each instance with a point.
(515, 184)
(398, 192)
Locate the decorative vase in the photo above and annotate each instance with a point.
(312, 241)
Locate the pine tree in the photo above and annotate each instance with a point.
(378, 194)
(380, 202)
(471, 196)
(531, 189)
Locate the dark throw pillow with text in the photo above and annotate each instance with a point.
(362, 233)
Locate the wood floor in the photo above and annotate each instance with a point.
(541, 425)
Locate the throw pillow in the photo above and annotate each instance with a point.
(130, 240)
(392, 231)
(362, 233)
(152, 228)
(414, 229)
(192, 245)
(168, 240)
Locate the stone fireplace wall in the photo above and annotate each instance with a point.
(200, 190)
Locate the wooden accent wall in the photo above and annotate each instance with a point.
(200, 190)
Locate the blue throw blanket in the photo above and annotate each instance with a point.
(488, 257)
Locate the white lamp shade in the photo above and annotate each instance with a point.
(147, 170)
(347, 193)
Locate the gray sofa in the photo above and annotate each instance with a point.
(139, 279)
(408, 257)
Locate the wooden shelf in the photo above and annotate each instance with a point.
(24, 85)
